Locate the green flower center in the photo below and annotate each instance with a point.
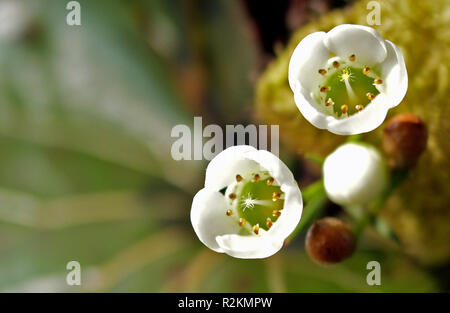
(256, 202)
(350, 87)
(347, 87)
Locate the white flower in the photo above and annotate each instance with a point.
(261, 206)
(354, 174)
(346, 80)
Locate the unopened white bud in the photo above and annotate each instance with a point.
(354, 173)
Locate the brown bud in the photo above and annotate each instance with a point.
(329, 241)
(404, 139)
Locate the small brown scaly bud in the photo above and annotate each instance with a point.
(404, 140)
(329, 241)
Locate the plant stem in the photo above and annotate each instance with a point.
(368, 218)
(315, 199)
(314, 158)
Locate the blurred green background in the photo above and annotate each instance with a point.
(85, 168)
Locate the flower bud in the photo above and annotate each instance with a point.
(354, 174)
(404, 139)
(329, 241)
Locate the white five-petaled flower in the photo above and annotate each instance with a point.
(249, 205)
(354, 174)
(346, 80)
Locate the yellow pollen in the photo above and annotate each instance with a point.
(276, 213)
(324, 89)
(378, 81)
(329, 102)
(238, 178)
(242, 222)
(256, 229)
(346, 75)
(232, 196)
(336, 64)
(366, 70)
(256, 178)
(352, 57)
(344, 109)
(370, 96)
(269, 222)
(276, 196)
(359, 107)
(322, 71)
(229, 212)
(270, 181)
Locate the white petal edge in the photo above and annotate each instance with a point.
(363, 41)
(249, 247)
(309, 56)
(365, 121)
(362, 122)
(208, 218)
(222, 170)
(304, 101)
(395, 76)
(293, 203)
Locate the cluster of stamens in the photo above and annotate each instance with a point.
(256, 202)
(343, 86)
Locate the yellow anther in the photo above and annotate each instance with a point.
(256, 178)
(329, 102)
(232, 196)
(239, 178)
(276, 196)
(352, 57)
(336, 64)
(324, 89)
(276, 213)
(378, 81)
(270, 181)
(269, 222)
(359, 107)
(242, 222)
(322, 71)
(229, 212)
(256, 229)
(344, 109)
(370, 96)
(366, 70)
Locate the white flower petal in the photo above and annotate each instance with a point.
(208, 218)
(395, 76)
(249, 247)
(222, 170)
(304, 101)
(293, 204)
(309, 56)
(363, 41)
(291, 213)
(362, 122)
(273, 165)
